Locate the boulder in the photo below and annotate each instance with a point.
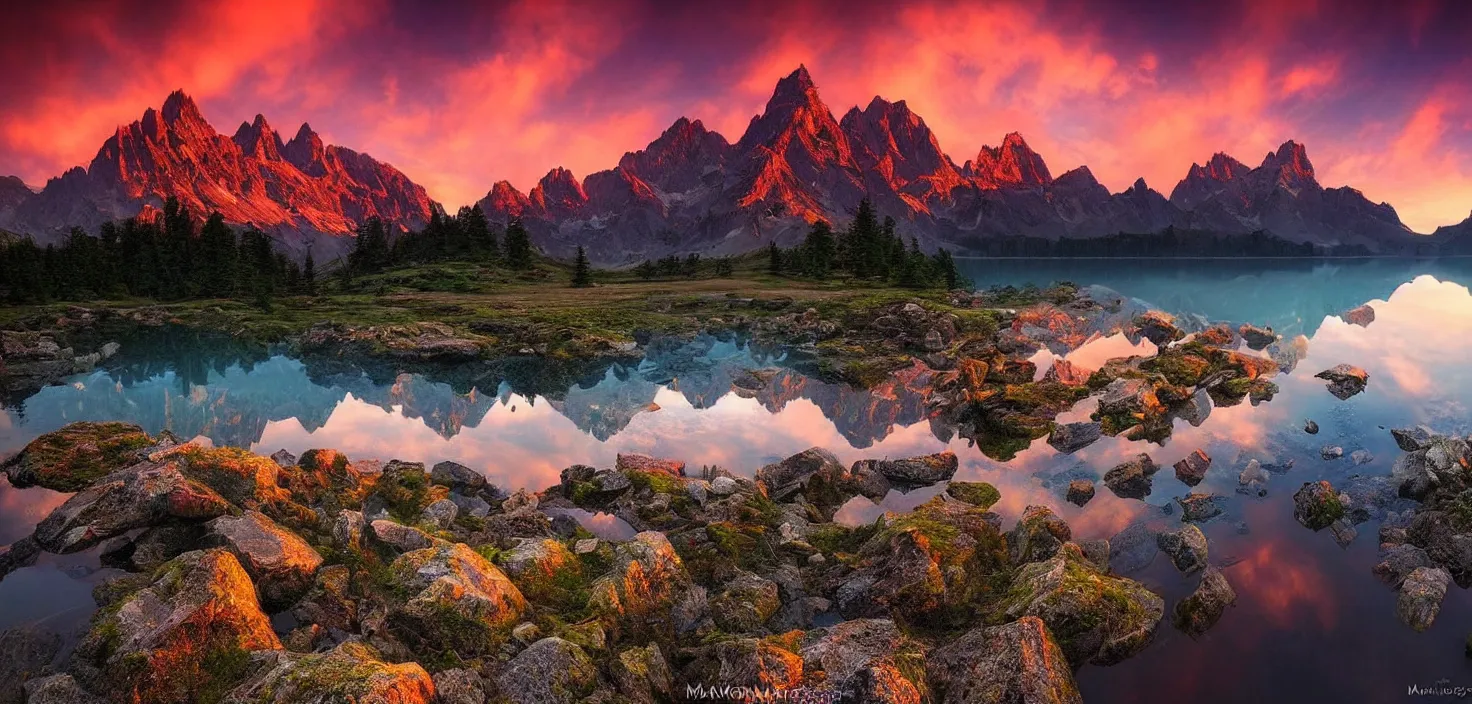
(1197, 613)
(1316, 505)
(745, 603)
(1132, 479)
(643, 675)
(457, 477)
(550, 671)
(1080, 491)
(1345, 380)
(542, 569)
(645, 463)
(330, 603)
(243, 478)
(1038, 535)
(1444, 538)
(1420, 597)
(72, 458)
(859, 655)
(1017, 663)
(1198, 507)
(189, 631)
(1257, 338)
(1412, 439)
(1361, 315)
(459, 686)
(25, 652)
(1158, 327)
(351, 672)
(281, 563)
(452, 599)
(640, 593)
(746, 662)
(440, 514)
(914, 471)
(140, 496)
(1192, 469)
(58, 689)
(347, 530)
(1186, 547)
(1096, 618)
(1400, 561)
(402, 538)
(1069, 438)
(785, 478)
(1331, 452)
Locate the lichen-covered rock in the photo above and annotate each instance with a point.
(1016, 663)
(745, 603)
(1399, 562)
(152, 547)
(1192, 469)
(1197, 613)
(1038, 535)
(1316, 505)
(859, 657)
(459, 686)
(351, 672)
(329, 603)
(1132, 479)
(140, 496)
(544, 570)
(942, 554)
(187, 633)
(640, 592)
(455, 600)
(25, 652)
(644, 463)
(979, 494)
(347, 530)
(643, 675)
(914, 471)
(782, 479)
(1158, 327)
(457, 477)
(1069, 438)
(402, 538)
(550, 671)
(1345, 380)
(70, 459)
(746, 662)
(281, 563)
(1420, 597)
(243, 478)
(1186, 547)
(832, 485)
(1096, 618)
(58, 689)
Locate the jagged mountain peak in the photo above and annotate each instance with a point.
(180, 107)
(258, 139)
(1291, 162)
(1012, 165)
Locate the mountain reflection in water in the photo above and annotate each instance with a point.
(1311, 623)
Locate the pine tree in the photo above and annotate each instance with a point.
(646, 270)
(582, 273)
(774, 258)
(518, 245)
(818, 251)
(309, 275)
(478, 231)
(371, 251)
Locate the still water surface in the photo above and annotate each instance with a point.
(1311, 622)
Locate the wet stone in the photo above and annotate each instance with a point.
(1192, 469)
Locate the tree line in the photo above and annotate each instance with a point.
(165, 258)
(465, 236)
(867, 249)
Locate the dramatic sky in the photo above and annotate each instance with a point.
(459, 95)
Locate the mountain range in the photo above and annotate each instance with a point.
(693, 191)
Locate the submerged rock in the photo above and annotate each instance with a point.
(1345, 380)
(1072, 437)
(1197, 613)
(1132, 479)
(1097, 618)
(1420, 597)
(1016, 663)
(1331, 452)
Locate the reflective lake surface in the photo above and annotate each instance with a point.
(1311, 622)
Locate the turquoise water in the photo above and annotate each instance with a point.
(1311, 622)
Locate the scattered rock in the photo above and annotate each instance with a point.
(1132, 479)
(1186, 547)
(58, 689)
(1359, 457)
(459, 686)
(1072, 437)
(458, 477)
(1345, 380)
(1420, 597)
(745, 603)
(785, 478)
(1257, 338)
(1080, 491)
(1198, 612)
(1316, 505)
(1192, 469)
(550, 671)
(1038, 535)
(643, 675)
(1399, 562)
(402, 538)
(453, 600)
(915, 471)
(1412, 439)
(1017, 662)
(642, 590)
(351, 672)
(645, 463)
(1311, 428)
(1331, 452)
(1362, 315)
(979, 494)
(1199, 508)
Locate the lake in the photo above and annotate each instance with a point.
(1311, 622)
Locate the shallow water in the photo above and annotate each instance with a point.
(1311, 622)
